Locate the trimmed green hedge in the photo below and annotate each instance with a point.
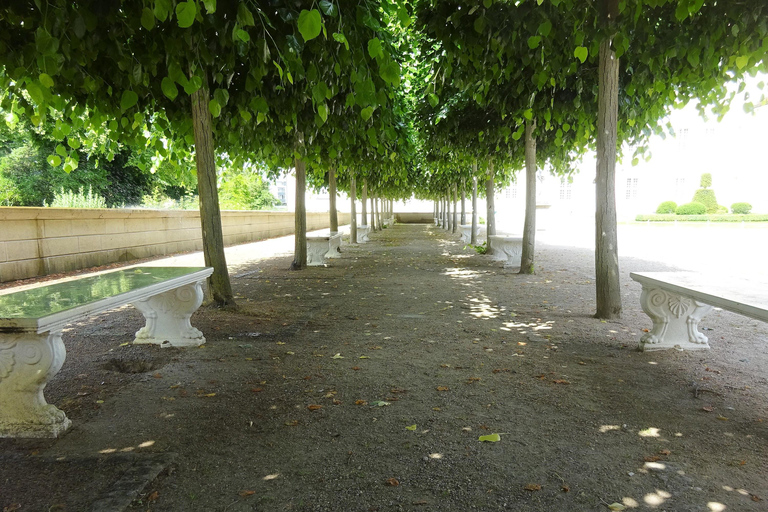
(752, 217)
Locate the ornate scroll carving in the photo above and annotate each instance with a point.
(675, 321)
(167, 316)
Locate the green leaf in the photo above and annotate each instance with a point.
(54, 160)
(693, 57)
(214, 107)
(433, 99)
(342, 39)
(193, 85)
(46, 80)
(581, 53)
(366, 113)
(404, 16)
(185, 13)
(210, 6)
(410, 427)
(222, 96)
(310, 24)
(390, 72)
(322, 111)
(246, 115)
(533, 42)
(479, 24)
(147, 18)
(36, 93)
(61, 150)
(328, 8)
(162, 8)
(490, 438)
(242, 35)
(169, 88)
(545, 28)
(128, 100)
(487, 3)
(374, 47)
(741, 62)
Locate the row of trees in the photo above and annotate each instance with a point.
(421, 97)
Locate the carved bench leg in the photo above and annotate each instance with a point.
(675, 321)
(27, 362)
(316, 252)
(167, 316)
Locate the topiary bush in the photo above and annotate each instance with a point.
(693, 208)
(742, 208)
(705, 195)
(667, 207)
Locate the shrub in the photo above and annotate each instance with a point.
(71, 199)
(693, 208)
(706, 180)
(742, 208)
(667, 207)
(479, 249)
(721, 209)
(706, 196)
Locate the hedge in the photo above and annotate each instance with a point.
(752, 217)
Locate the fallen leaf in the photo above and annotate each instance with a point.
(665, 452)
(708, 408)
(445, 366)
(13, 507)
(356, 368)
(361, 402)
(314, 407)
(336, 402)
(755, 497)
(421, 502)
(490, 438)
(207, 394)
(560, 381)
(652, 458)
(473, 379)
(723, 418)
(153, 496)
(410, 427)
(533, 487)
(616, 506)
(565, 488)
(466, 429)
(364, 357)
(443, 388)
(292, 423)
(379, 403)
(290, 353)
(393, 482)
(246, 493)
(257, 390)
(338, 356)
(125, 344)
(157, 376)
(436, 409)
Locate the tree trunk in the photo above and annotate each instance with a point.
(300, 217)
(373, 216)
(334, 220)
(463, 201)
(219, 286)
(455, 214)
(608, 291)
(449, 226)
(490, 223)
(364, 209)
(353, 216)
(473, 236)
(529, 228)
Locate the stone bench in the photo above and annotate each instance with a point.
(321, 247)
(466, 232)
(362, 233)
(31, 322)
(677, 301)
(507, 248)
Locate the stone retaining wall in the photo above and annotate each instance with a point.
(42, 241)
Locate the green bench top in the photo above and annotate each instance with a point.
(27, 309)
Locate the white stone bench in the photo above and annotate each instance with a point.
(507, 248)
(677, 301)
(466, 232)
(362, 233)
(321, 247)
(31, 322)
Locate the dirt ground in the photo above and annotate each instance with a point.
(365, 386)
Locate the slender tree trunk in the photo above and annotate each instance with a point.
(608, 290)
(529, 228)
(377, 205)
(353, 219)
(373, 216)
(334, 220)
(300, 218)
(363, 200)
(463, 201)
(219, 286)
(455, 214)
(473, 236)
(490, 223)
(449, 227)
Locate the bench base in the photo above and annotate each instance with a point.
(167, 315)
(675, 321)
(507, 248)
(27, 362)
(362, 233)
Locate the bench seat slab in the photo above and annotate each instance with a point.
(28, 360)
(675, 320)
(167, 315)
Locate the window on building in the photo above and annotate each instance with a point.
(565, 189)
(512, 191)
(679, 187)
(682, 137)
(631, 188)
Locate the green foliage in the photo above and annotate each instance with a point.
(706, 196)
(667, 207)
(479, 249)
(78, 199)
(160, 201)
(741, 208)
(706, 180)
(692, 208)
(245, 191)
(703, 218)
